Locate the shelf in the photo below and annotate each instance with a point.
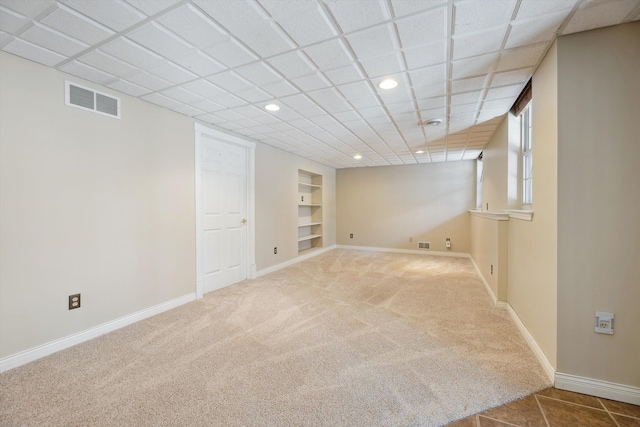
(310, 204)
(309, 237)
(306, 184)
(310, 224)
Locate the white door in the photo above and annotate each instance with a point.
(224, 213)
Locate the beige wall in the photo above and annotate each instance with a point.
(88, 204)
(277, 204)
(489, 247)
(599, 202)
(495, 176)
(385, 206)
(533, 248)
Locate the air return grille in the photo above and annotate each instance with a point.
(88, 99)
(424, 246)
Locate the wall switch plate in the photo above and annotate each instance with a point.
(74, 301)
(604, 322)
(351, 236)
(275, 250)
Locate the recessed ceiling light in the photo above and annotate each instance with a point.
(433, 122)
(271, 107)
(357, 157)
(420, 152)
(387, 84)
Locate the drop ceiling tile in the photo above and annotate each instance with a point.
(520, 58)
(229, 100)
(466, 98)
(250, 111)
(400, 108)
(596, 14)
(534, 31)
(266, 40)
(253, 95)
(311, 82)
(330, 99)
(182, 95)
(472, 15)
(479, 43)
(471, 67)
(229, 115)
(329, 55)
(369, 100)
(187, 110)
(151, 7)
(34, 53)
(309, 27)
(230, 81)
(503, 104)
(511, 91)
(132, 53)
(532, 9)
(489, 114)
(115, 14)
(259, 74)
(429, 76)
(464, 108)
(280, 89)
(418, 30)
(149, 81)
(11, 21)
(398, 95)
(53, 40)
(159, 40)
(292, 64)
(208, 106)
(194, 26)
(512, 77)
(76, 25)
(383, 65)
(29, 9)
(173, 73)
(105, 62)
(343, 75)
(373, 42)
(204, 88)
(128, 88)
(409, 7)
(346, 116)
(235, 16)
(229, 126)
(428, 103)
(231, 53)
(356, 14)
(355, 90)
(200, 63)
(466, 85)
(423, 56)
(287, 114)
(86, 72)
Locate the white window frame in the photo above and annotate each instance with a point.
(526, 146)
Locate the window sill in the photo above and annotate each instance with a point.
(498, 216)
(525, 215)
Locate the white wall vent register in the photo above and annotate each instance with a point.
(424, 245)
(89, 99)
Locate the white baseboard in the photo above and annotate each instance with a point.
(546, 365)
(604, 389)
(43, 350)
(502, 305)
(404, 251)
(292, 261)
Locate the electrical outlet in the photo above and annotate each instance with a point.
(351, 236)
(604, 322)
(492, 269)
(447, 243)
(74, 301)
(275, 250)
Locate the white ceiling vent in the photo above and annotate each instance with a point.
(88, 99)
(424, 246)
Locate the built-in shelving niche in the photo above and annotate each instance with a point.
(309, 211)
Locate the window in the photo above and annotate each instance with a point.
(527, 155)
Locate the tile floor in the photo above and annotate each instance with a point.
(556, 408)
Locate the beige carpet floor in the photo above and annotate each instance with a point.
(347, 338)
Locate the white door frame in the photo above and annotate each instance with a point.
(224, 138)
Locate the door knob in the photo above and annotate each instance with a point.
(244, 221)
